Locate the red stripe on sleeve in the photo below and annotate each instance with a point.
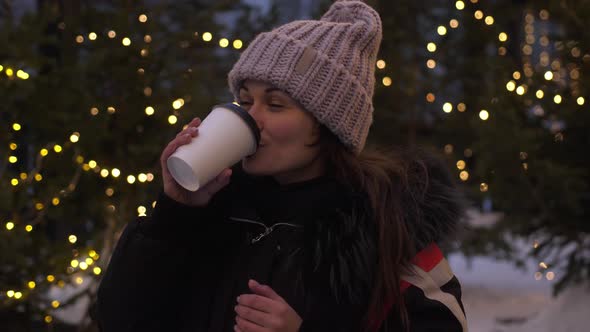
(426, 259)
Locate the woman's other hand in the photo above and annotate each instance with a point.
(265, 311)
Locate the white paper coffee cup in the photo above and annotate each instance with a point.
(227, 135)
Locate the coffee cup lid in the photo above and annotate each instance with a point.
(245, 116)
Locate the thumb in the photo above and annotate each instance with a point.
(264, 290)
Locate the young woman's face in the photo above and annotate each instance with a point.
(288, 135)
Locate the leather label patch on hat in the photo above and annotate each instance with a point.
(305, 61)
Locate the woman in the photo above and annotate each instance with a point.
(311, 233)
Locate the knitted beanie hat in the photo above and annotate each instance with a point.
(327, 65)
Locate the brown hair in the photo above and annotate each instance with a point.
(396, 182)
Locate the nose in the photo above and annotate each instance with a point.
(256, 113)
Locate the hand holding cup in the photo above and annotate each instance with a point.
(175, 191)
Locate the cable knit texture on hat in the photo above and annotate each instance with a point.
(327, 65)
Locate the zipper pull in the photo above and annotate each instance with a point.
(261, 235)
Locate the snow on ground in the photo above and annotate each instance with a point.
(498, 297)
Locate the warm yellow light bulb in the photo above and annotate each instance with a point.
(557, 99)
(10, 293)
(9, 225)
(131, 179)
(489, 20)
(96, 270)
(38, 177)
(92, 36)
(72, 238)
(13, 146)
(50, 278)
(387, 81)
(79, 280)
(441, 30)
(28, 228)
(57, 148)
(75, 137)
(126, 41)
(503, 37)
(431, 47)
(464, 175)
(461, 164)
(12, 159)
(104, 172)
(454, 23)
(540, 94)
(172, 119)
(92, 164)
(142, 18)
(178, 103)
(484, 115)
(237, 44)
(580, 101)
(520, 90)
(89, 261)
(83, 265)
(115, 172)
(31, 284)
(79, 39)
(448, 107)
(22, 74)
(149, 111)
(16, 126)
(48, 319)
(207, 36)
(460, 5)
(141, 210)
(74, 263)
(112, 34)
(431, 64)
(223, 42)
(478, 14)
(14, 182)
(511, 86)
(381, 64)
(548, 75)
(483, 187)
(516, 75)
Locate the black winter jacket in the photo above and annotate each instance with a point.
(314, 243)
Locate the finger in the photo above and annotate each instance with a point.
(237, 329)
(173, 145)
(257, 302)
(189, 130)
(248, 326)
(255, 316)
(194, 122)
(264, 290)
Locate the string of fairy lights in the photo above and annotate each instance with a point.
(557, 73)
(86, 262)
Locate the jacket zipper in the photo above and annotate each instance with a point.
(267, 230)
